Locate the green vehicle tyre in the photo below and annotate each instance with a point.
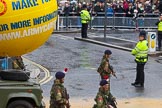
(20, 104)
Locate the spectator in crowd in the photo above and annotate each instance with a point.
(73, 12)
(148, 9)
(141, 8)
(73, 9)
(140, 14)
(110, 11)
(97, 8)
(155, 10)
(129, 13)
(60, 9)
(131, 1)
(118, 6)
(102, 12)
(120, 10)
(102, 7)
(136, 10)
(78, 10)
(66, 13)
(125, 5)
(90, 8)
(159, 6)
(114, 6)
(60, 12)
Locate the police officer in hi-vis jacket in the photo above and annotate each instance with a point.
(141, 56)
(85, 18)
(159, 24)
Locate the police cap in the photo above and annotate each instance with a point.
(59, 75)
(108, 52)
(142, 33)
(103, 82)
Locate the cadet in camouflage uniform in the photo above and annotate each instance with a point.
(59, 97)
(104, 98)
(104, 68)
(18, 63)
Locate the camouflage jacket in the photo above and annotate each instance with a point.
(59, 97)
(102, 99)
(104, 69)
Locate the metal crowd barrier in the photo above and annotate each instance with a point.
(117, 20)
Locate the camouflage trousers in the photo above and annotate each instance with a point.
(54, 105)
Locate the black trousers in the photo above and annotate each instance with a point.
(140, 77)
(159, 39)
(84, 30)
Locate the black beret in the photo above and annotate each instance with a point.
(108, 52)
(60, 75)
(103, 82)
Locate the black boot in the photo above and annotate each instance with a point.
(135, 83)
(139, 85)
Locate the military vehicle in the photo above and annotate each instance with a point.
(18, 90)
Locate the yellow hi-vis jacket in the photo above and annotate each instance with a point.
(141, 51)
(160, 26)
(85, 16)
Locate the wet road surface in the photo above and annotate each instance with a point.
(83, 59)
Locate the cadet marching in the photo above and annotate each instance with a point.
(104, 99)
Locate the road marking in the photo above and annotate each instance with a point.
(63, 37)
(47, 76)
